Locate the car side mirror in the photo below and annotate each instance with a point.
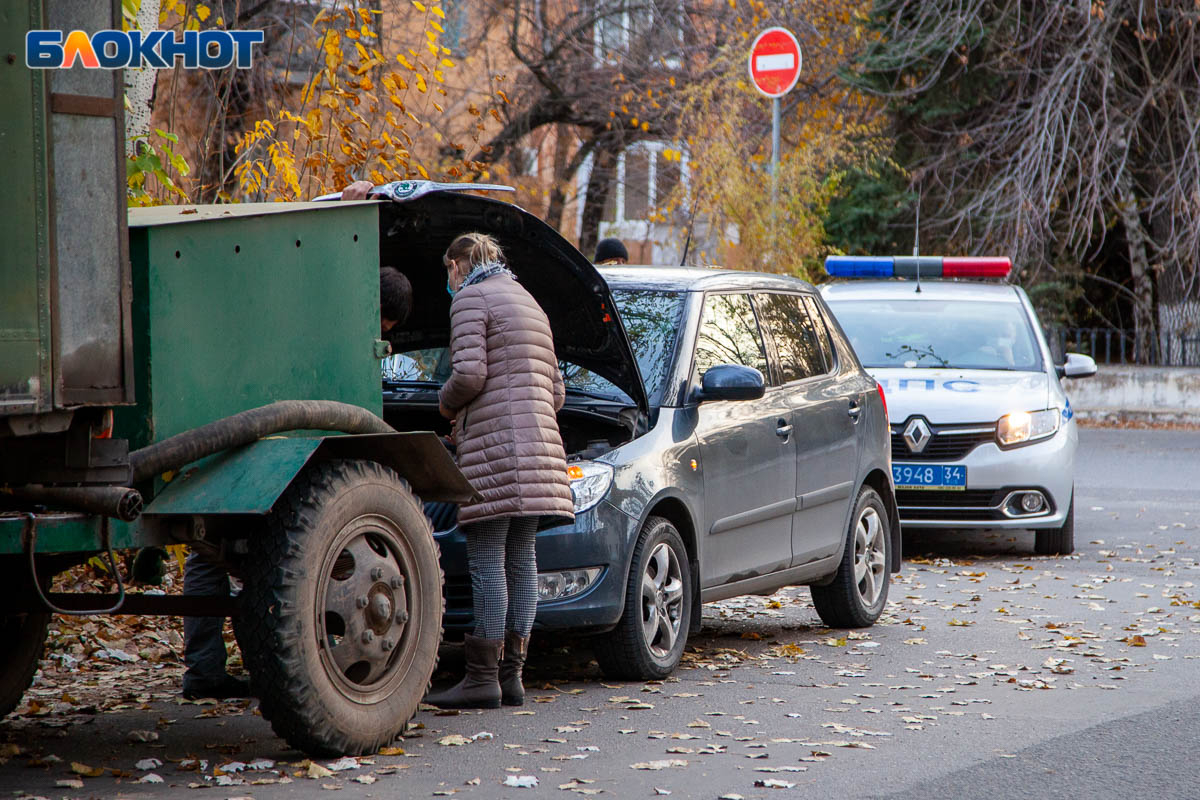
(1077, 366)
(731, 382)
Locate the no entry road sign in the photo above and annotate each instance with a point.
(775, 62)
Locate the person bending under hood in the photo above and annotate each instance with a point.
(503, 395)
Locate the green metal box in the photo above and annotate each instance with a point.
(238, 306)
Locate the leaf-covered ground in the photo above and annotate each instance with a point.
(984, 649)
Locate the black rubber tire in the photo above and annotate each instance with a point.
(24, 638)
(840, 603)
(281, 626)
(623, 653)
(1057, 541)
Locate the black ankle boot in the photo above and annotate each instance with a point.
(480, 687)
(512, 690)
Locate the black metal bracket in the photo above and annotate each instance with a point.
(30, 541)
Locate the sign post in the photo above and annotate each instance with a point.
(775, 62)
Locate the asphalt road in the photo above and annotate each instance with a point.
(994, 673)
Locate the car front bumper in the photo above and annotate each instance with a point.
(602, 537)
(992, 476)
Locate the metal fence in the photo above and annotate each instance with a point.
(1127, 346)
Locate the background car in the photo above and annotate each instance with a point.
(722, 438)
(983, 435)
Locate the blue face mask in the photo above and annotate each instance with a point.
(449, 290)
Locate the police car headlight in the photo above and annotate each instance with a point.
(590, 482)
(1025, 426)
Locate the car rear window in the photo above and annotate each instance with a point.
(797, 343)
(932, 334)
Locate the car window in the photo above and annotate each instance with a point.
(824, 337)
(797, 346)
(729, 334)
(931, 334)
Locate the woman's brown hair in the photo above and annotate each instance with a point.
(470, 250)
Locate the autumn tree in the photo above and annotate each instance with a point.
(764, 222)
(1059, 133)
(339, 91)
(601, 74)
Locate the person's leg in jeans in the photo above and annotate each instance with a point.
(520, 568)
(480, 687)
(489, 586)
(203, 646)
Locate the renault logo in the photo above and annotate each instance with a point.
(917, 434)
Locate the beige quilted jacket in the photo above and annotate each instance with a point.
(505, 390)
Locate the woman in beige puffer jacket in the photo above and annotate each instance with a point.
(502, 396)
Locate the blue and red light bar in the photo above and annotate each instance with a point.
(918, 266)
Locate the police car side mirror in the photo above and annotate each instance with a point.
(731, 382)
(1077, 366)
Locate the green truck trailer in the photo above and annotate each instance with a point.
(206, 376)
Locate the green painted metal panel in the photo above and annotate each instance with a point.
(67, 533)
(25, 345)
(239, 306)
(247, 480)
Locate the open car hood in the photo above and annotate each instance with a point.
(414, 233)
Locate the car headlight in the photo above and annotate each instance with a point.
(590, 481)
(1027, 426)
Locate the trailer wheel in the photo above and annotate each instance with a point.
(342, 609)
(24, 636)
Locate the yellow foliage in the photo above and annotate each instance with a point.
(826, 129)
(339, 132)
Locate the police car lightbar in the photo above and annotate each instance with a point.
(918, 266)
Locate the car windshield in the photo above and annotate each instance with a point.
(932, 334)
(651, 319)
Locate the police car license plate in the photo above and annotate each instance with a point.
(951, 477)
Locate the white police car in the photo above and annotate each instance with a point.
(983, 435)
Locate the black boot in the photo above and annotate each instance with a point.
(480, 687)
(512, 690)
(223, 688)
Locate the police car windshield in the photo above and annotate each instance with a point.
(933, 334)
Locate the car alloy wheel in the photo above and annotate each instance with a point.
(662, 600)
(855, 595)
(870, 556)
(647, 642)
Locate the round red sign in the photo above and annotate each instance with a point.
(775, 62)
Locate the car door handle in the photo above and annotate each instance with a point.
(854, 410)
(783, 430)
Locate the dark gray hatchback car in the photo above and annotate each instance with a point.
(723, 439)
